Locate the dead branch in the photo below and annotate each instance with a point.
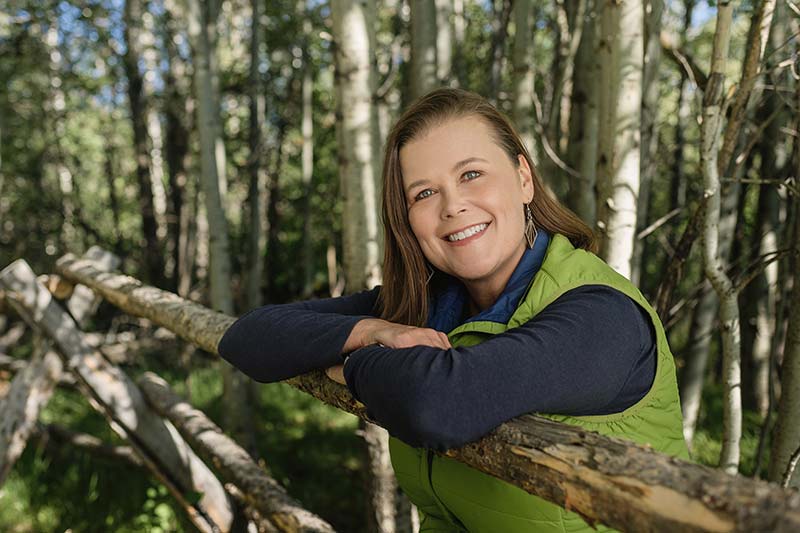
(260, 491)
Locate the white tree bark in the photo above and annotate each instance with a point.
(649, 130)
(237, 413)
(523, 78)
(713, 117)
(444, 41)
(30, 390)
(620, 57)
(423, 47)
(357, 168)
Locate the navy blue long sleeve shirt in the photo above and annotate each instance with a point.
(592, 351)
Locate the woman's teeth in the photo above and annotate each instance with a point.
(469, 232)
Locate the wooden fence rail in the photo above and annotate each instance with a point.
(616, 482)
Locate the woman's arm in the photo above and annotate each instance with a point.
(592, 351)
(276, 342)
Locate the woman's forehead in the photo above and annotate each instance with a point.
(443, 146)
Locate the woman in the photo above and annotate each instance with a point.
(492, 306)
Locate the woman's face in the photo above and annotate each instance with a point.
(465, 201)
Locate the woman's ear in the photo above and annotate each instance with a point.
(525, 178)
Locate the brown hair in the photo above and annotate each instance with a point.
(405, 292)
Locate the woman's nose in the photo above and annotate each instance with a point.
(452, 204)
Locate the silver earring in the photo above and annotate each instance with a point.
(530, 229)
(430, 274)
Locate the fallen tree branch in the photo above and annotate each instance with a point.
(618, 483)
(89, 443)
(260, 491)
(19, 408)
(112, 393)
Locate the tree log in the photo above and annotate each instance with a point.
(112, 393)
(19, 409)
(260, 491)
(86, 442)
(618, 483)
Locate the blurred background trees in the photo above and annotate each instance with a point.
(230, 151)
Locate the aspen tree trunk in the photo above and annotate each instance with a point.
(56, 106)
(459, 32)
(786, 435)
(423, 47)
(499, 23)
(133, 14)
(307, 155)
(352, 22)
(256, 235)
(678, 191)
(237, 413)
(523, 82)
(760, 297)
(620, 57)
(649, 132)
(151, 59)
(713, 116)
(176, 146)
(569, 20)
(583, 119)
(444, 41)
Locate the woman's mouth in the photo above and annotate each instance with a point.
(466, 235)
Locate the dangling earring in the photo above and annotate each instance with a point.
(430, 274)
(530, 229)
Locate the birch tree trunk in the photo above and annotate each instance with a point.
(176, 147)
(786, 435)
(620, 57)
(649, 131)
(152, 254)
(713, 116)
(444, 41)
(523, 80)
(583, 119)
(423, 47)
(237, 413)
(256, 235)
(500, 19)
(357, 167)
(307, 158)
(761, 296)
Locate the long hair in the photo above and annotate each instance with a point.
(407, 286)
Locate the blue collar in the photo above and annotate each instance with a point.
(448, 305)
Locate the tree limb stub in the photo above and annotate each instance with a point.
(261, 492)
(618, 483)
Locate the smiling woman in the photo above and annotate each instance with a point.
(493, 305)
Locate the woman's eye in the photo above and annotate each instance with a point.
(423, 194)
(470, 175)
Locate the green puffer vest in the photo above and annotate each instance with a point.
(453, 497)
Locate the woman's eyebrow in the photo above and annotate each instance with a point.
(461, 164)
(466, 162)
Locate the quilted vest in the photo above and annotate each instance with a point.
(453, 497)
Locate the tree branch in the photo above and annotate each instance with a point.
(607, 480)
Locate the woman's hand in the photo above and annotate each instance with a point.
(378, 331)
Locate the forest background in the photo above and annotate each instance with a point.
(229, 151)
